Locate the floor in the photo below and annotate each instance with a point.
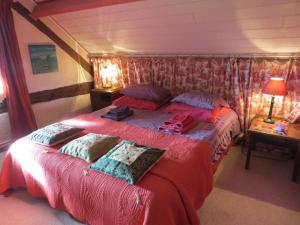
(263, 195)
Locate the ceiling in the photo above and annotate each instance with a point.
(188, 27)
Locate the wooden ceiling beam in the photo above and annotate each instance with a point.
(52, 7)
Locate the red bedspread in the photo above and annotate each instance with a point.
(169, 194)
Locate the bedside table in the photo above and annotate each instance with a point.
(101, 98)
(260, 131)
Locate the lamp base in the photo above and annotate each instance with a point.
(269, 120)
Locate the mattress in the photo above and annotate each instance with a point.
(219, 135)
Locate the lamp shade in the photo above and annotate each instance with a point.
(275, 86)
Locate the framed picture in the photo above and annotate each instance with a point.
(293, 115)
(43, 58)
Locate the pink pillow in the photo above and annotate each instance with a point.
(203, 114)
(208, 115)
(217, 112)
(137, 103)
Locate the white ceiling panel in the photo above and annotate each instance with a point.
(188, 27)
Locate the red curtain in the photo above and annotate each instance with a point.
(18, 102)
(238, 80)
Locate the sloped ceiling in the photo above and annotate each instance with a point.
(188, 27)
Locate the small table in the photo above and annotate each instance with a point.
(101, 98)
(260, 131)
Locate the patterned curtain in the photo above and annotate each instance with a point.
(21, 116)
(2, 92)
(238, 80)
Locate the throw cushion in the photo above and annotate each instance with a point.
(90, 146)
(128, 161)
(54, 134)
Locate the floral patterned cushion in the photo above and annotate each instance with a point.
(128, 161)
(54, 134)
(90, 146)
(201, 100)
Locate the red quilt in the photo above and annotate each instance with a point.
(169, 194)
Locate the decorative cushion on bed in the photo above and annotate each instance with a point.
(54, 134)
(128, 161)
(201, 100)
(146, 91)
(90, 146)
(137, 103)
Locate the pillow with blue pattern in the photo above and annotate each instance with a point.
(128, 161)
(90, 146)
(201, 99)
(54, 134)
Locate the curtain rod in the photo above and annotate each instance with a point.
(254, 55)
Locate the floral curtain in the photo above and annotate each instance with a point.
(238, 80)
(20, 112)
(2, 92)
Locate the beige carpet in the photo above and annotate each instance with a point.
(264, 195)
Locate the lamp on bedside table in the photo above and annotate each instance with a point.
(275, 87)
(109, 76)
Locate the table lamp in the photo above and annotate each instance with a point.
(109, 75)
(275, 87)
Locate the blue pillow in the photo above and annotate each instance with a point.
(201, 100)
(128, 161)
(54, 134)
(90, 146)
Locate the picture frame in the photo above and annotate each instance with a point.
(43, 58)
(294, 115)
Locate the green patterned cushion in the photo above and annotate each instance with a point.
(54, 134)
(90, 146)
(128, 161)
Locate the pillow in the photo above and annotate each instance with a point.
(54, 134)
(218, 112)
(90, 146)
(178, 108)
(201, 100)
(207, 115)
(146, 91)
(137, 103)
(128, 161)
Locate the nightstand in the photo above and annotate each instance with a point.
(260, 131)
(101, 98)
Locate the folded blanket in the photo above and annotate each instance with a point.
(117, 117)
(179, 124)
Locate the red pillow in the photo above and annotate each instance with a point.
(137, 103)
(207, 115)
(217, 112)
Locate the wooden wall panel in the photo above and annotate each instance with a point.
(53, 94)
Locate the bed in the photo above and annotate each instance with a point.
(169, 194)
(219, 135)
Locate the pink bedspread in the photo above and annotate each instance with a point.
(169, 194)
